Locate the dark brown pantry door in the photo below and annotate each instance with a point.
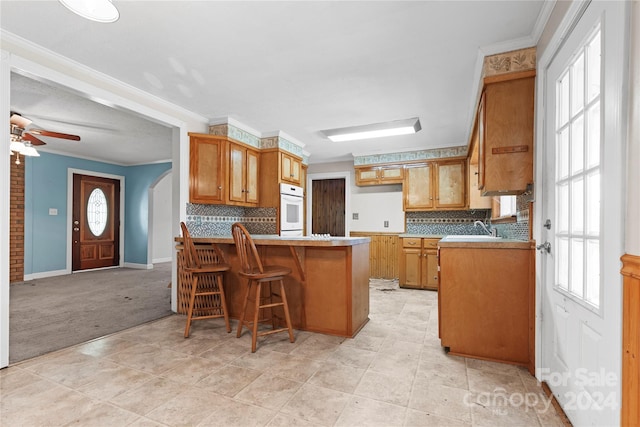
(328, 206)
(95, 239)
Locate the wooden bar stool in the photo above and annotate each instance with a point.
(256, 274)
(206, 284)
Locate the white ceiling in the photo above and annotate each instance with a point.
(299, 67)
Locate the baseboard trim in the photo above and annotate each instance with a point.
(45, 274)
(138, 266)
(556, 405)
(159, 260)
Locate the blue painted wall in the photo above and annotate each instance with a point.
(46, 187)
(137, 180)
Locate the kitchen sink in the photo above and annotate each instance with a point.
(457, 237)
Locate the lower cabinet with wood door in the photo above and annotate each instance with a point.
(486, 300)
(419, 263)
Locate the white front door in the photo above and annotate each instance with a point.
(582, 200)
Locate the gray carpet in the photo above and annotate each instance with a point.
(58, 312)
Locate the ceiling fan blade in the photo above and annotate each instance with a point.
(18, 120)
(33, 139)
(54, 134)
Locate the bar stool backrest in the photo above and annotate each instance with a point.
(190, 256)
(247, 252)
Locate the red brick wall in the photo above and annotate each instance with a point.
(16, 230)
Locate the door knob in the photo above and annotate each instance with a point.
(76, 229)
(546, 246)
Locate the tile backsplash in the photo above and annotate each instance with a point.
(461, 222)
(445, 222)
(216, 220)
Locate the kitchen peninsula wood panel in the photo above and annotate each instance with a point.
(486, 301)
(328, 290)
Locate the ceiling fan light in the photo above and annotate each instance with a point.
(95, 10)
(16, 147)
(29, 150)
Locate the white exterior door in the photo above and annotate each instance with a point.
(582, 199)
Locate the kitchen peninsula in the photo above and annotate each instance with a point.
(327, 291)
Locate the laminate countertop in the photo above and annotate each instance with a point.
(275, 240)
(484, 242)
(420, 236)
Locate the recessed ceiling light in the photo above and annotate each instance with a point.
(376, 130)
(95, 10)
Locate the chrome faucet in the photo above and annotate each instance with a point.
(484, 227)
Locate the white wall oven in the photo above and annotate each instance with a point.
(291, 210)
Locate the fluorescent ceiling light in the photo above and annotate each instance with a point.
(95, 10)
(376, 130)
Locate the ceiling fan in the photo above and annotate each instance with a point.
(19, 131)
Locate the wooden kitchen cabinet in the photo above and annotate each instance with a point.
(505, 124)
(419, 263)
(222, 171)
(379, 175)
(486, 300)
(476, 199)
(243, 174)
(290, 168)
(275, 164)
(437, 185)
(207, 166)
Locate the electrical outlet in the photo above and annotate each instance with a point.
(355, 215)
(386, 224)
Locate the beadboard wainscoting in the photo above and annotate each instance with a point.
(383, 254)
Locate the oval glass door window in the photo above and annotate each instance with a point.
(97, 212)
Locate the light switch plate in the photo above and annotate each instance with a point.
(355, 215)
(53, 211)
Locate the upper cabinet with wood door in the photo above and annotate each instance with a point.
(276, 167)
(207, 155)
(505, 125)
(222, 171)
(290, 168)
(476, 199)
(243, 174)
(379, 175)
(438, 185)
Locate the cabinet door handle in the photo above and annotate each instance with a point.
(219, 187)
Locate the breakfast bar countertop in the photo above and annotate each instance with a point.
(275, 240)
(327, 290)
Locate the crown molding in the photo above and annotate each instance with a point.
(48, 150)
(41, 56)
(543, 18)
(283, 135)
(228, 120)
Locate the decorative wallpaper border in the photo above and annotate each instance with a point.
(437, 153)
(509, 62)
(236, 133)
(231, 131)
(282, 143)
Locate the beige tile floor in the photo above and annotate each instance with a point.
(394, 373)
